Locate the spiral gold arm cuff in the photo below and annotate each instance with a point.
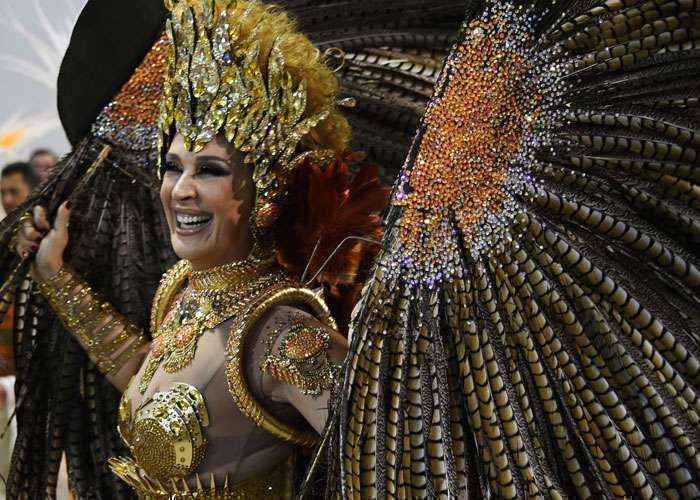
(109, 339)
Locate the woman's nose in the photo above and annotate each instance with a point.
(185, 187)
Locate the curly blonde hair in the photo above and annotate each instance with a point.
(269, 24)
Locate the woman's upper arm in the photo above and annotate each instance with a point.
(301, 362)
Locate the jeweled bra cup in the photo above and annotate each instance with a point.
(166, 433)
(166, 438)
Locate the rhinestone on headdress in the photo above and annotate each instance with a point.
(130, 120)
(214, 85)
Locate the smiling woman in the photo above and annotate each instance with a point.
(207, 197)
(237, 378)
(505, 343)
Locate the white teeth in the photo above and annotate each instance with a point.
(191, 219)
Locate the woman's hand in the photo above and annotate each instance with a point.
(48, 243)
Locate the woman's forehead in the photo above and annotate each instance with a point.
(218, 147)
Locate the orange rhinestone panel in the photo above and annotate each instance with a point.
(130, 120)
(473, 132)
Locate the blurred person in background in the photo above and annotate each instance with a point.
(16, 182)
(43, 160)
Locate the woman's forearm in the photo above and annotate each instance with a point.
(114, 344)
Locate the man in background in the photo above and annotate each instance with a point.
(16, 182)
(43, 160)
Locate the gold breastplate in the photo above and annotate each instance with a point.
(283, 291)
(167, 432)
(166, 437)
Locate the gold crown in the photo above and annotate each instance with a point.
(214, 84)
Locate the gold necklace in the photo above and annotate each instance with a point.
(211, 297)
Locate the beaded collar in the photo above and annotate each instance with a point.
(211, 297)
(226, 276)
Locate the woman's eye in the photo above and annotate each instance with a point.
(215, 170)
(170, 166)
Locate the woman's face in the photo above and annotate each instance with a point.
(207, 198)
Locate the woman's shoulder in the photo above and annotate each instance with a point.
(290, 317)
(301, 349)
(289, 321)
(296, 327)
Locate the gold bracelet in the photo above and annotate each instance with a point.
(92, 321)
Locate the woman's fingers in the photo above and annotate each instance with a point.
(37, 236)
(62, 219)
(49, 258)
(26, 246)
(30, 232)
(40, 220)
(34, 228)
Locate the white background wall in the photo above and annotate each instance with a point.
(18, 93)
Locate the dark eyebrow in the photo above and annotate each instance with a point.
(172, 157)
(203, 159)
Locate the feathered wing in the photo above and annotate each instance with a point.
(119, 244)
(388, 56)
(532, 326)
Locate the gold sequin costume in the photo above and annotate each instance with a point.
(532, 324)
(167, 432)
(215, 83)
(218, 79)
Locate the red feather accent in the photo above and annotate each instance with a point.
(327, 204)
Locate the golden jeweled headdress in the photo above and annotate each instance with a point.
(215, 85)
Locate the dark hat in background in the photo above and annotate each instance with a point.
(110, 39)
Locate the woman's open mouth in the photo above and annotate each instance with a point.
(187, 224)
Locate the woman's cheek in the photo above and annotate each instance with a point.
(166, 190)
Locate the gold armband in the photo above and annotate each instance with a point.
(93, 321)
(302, 358)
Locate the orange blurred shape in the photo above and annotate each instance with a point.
(9, 139)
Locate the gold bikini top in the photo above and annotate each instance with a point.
(167, 439)
(167, 432)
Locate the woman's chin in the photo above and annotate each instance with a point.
(190, 245)
(187, 252)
